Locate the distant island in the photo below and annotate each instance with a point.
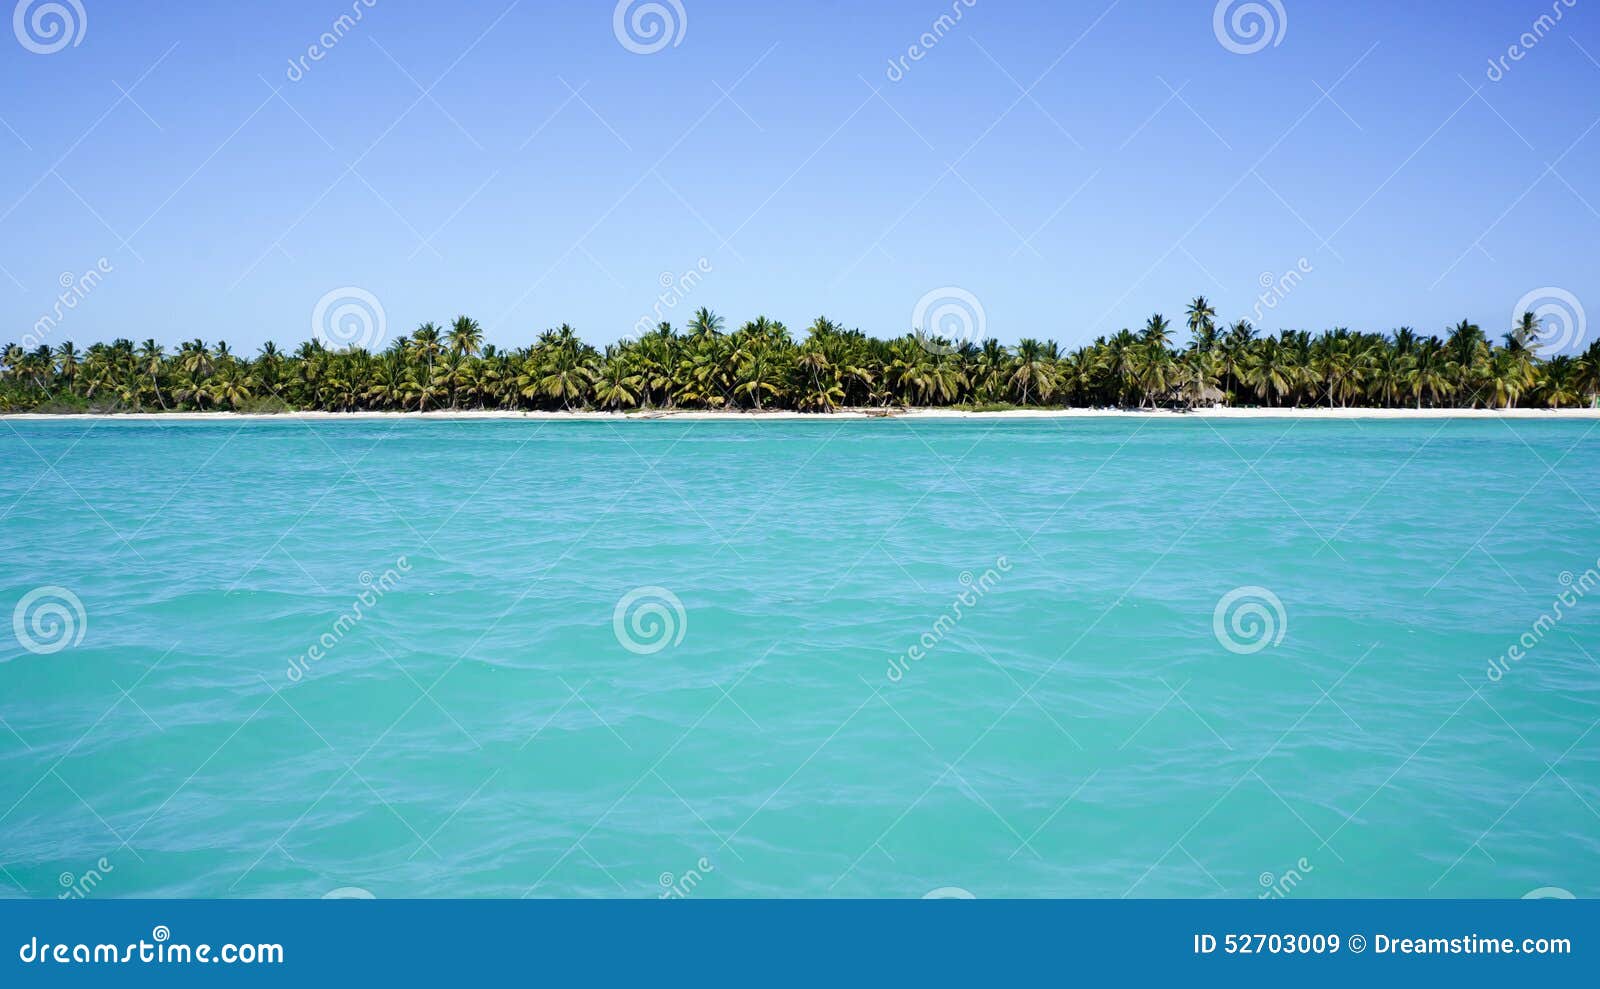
(761, 367)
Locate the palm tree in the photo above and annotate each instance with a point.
(1155, 371)
(1561, 386)
(1269, 369)
(704, 323)
(1430, 373)
(1507, 378)
(1525, 334)
(194, 359)
(1157, 332)
(1389, 377)
(759, 371)
(426, 346)
(988, 374)
(1587, 375)
(1467, 344)
(1334, 363)
(1202, 323)
(67, 362)
(1033, 370)
(618, 384)
(151, 358)
(1198, 372)
(230, 388)
(1234, 350)
(814, 368)
(760, 366)
(559, 368)
(466, 337)
(1122, 362)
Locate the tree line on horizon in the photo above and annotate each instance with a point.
(761, 366)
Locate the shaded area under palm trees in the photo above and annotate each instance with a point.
(762, 366)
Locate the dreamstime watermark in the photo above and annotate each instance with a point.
(1530, 39)
(976, 588)
(645, 27)
(160, 950)
(649, 619)
(49, 619)
(1562, 322)
(674, 289)
(1249, 619)
(929, 39)
(1549, 893)
(318, 50)
(1577, 587)
(947, 319)
(1247, 27)
(348, 893)
(74, 289)
(1277, 887)
(349, 317)
(1276, 288)
(78, 887)
(360, 607)
(45, 27)
(949, 893)
(680, 886)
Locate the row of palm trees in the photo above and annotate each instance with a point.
(761, 366)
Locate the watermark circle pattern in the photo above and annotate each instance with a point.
(1249, 619)
(48, 620)
(1245, 28)
(647, 27)
(51, 26)
(1562, 321)
(947, 319)
(349, 317)
(647, 620)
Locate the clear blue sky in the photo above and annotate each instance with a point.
(757, 143)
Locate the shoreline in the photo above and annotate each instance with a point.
(702, 415)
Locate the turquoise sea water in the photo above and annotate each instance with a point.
(487, 724)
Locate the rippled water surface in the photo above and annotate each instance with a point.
(1076, 718)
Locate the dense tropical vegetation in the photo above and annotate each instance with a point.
(761, 365)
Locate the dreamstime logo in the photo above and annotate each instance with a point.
(929, 39)
(650, 26)
(48, 27)
(1549, 893)
(1248, 27)
(679, 887)
(49, 619)
(1278, 887)
(1249, 619)
(674, 289)
(1276, 288)
(349, 317)
(318, 50)
(74, 290)
(1530, 39)
(1575, 588)
(976, 586)
(348, 893)
(374, 587)
(648, 620)
(947, 319)
(79, 887)
(949, 893)
(1561, 318)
